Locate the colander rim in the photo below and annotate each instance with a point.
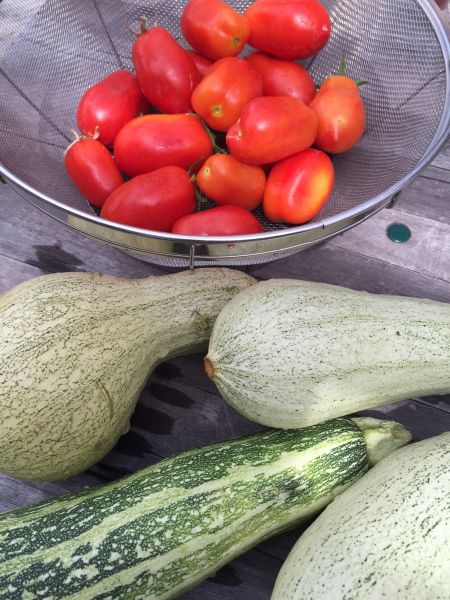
(439, 139)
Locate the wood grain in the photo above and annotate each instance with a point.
(29, 235)
(13, 272)
(351, 268)
(426, 252)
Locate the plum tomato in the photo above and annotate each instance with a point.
(153, 201)
(298, 187)
(272, 128)
(288, 29)
(202, 63)
(214, 28)
(109, 104)
(341, 115)
(226, 180)
(221, 221)
(153, 141)
(166, 72)
(221, 96)
(283, 77)
(93, 170)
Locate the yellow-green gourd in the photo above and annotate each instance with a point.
(76, 350)
(288, 353)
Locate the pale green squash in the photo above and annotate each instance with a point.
(388, 536)
(289, 353)
(76, 349)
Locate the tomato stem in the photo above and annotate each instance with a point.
(75, 141)
(343, 72)
(343, 66)
(209, 131)
(142, 27)
(199, 197)
(194, 165)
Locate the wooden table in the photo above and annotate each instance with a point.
(180, 407)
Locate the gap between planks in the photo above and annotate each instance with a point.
(427, 252)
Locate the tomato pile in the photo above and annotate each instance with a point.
(246, 132)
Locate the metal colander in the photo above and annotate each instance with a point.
(52, 50)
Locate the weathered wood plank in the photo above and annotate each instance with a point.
(441, 403)
(13, 272)
(442, 160)
(426, 252)
(29, 235)
(342, 266)
(251, 576)
(427, 197)
(436, 173)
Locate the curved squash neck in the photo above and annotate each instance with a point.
(80, 348)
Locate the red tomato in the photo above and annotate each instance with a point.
(109, 104)
(202, 63)
(166, 72)
(221, 96)
(92, 169)
(214, 28)
(299, 187)
(288, 29)
(272, 128)
(283, 77)
(153, 200)
(341, 115)
(228, 181)
(222, 220)
(153, 141)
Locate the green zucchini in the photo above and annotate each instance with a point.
(388, 536)
(76, 349)
(161, 531)
(288, 353)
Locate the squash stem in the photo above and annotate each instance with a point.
(382, 437)
(209, 367)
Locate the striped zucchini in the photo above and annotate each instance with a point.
(289, 353)
(161, 531)
(76, 349)
(388, 537)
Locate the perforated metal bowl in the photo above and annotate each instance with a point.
(52, 50)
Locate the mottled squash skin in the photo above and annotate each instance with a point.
(76, 350)
(288, 353)
(387, 537)
(159, 532)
